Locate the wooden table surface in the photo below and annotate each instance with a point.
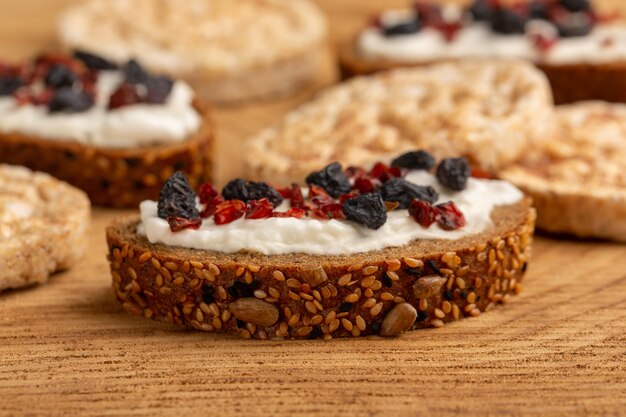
(67, 348)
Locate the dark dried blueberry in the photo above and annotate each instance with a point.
(8, 85)
(414, 160)
(207, 295)
(367, 209)
(402, 28)
(572, 25)
(240, 289)
(134, 73)
(403, 191)
(481, 10)
(67, 100)
(245, 191)
(433, 266)
(177, 199)
(59, 76)
(345, 307)
(159, 89)
(576, 5)
(453, 173)
(94, 62)
(538, 9)
(332, 179)
(508, 22)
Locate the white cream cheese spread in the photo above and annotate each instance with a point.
(126, 127)
(274, 236)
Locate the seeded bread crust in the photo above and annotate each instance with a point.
(52, 239)
(386, 292)
(115, 177)
(433, 108)
(229, 51)
(569, 82)
(578, 182)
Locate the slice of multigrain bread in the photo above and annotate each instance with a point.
(116, 177)
(423, 284)
(43, 224)
(578, 182)
(481, 110)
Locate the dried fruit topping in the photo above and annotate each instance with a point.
(573, 24)
(9, 84)
(481, 10)
(414, 160)
(450, 217)
(159, 89)
(134, 73)
(403, 27)
(177, 199)
(383, 173)
(366, 184)
(25, 96)
(326, 210)
(245, 191)
(348, 196)
(296, 198)
(259, 209)
(539, 9)
(211, 198)
(453, 173)
(508, 21)
(332, 179)
(367, 209)
(178, 223)
(67, 99)
(229, 211)
(295, 212)
(125, 95)
(403, 191)
(94, 62)
(423, 213)
(355, 172)
(576, 5)
(59, 76)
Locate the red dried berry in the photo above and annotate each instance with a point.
(211, 198)
(296, 198)
(295, 212)
(178, 223)
(229, 211)
(355, 172)
(349, 196)
(449, 216)
(482, 174)
(365, 184)
(125, 95)
(26, 96)
(285, 192)
(259, 209)
(423, 212)
(382, 172)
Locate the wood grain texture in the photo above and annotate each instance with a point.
(68, 349)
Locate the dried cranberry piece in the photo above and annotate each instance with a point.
(423, 213)
(481, 173)
(328, 211)
(453, 173)
(67, 99)
(229, 211)
(296, 198)
(245, 191)
(211, 198)
(365, 184)
(259, 209)
(125, 95)
(177, 199)
(348, 196)
(403, 191)
(414, 160)
(295, 212)
(383, 173)
(94, 62)
(332, 179)
(25, 96)
(178, 223)
(367, 209)
(428, 13)
(355, 172)
(449, 216)
(59, 76)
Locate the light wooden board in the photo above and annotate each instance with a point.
(68, 349)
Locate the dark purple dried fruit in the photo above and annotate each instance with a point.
(59, 76)
(574, 24)
(508, 22)
(134, 73)
(402, 28)
(68, 100)
(453, 173)
(576, 5)
(403, 191)
(9, 84)
(245, 191)
(94, 62)
(367, 209)
(539, 9)
(414, 160)
(481, 10)
(159, 89)
(177, 199)
(332, 179)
